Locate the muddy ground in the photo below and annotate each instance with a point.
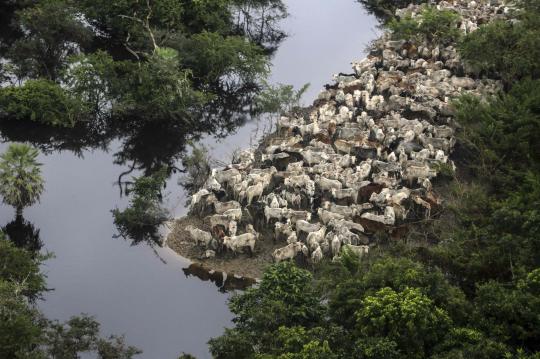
(243, 265)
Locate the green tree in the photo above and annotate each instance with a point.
(285, 297)
(509, 315)
(286, 293)
(299, 343)
(20, 329)
(52, 31)
(409, 318)
(398, 274)
(20, 266)
(214, 58)
(508, 48)
(21, 184)
(278, 99)
(462, 343)
(79, 335)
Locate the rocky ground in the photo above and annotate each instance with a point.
(362, 160)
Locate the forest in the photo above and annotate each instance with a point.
(464, 283)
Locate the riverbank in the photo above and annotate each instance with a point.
(360, 165)
(243, 265)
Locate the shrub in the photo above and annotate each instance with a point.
(385, 9)
(436, 26)
(42, 101)
(511, 49)
(503, 132)
(278, 99)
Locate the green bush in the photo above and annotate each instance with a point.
(41, 101)
(385, 9)
(408, 318)
(503, 132)
(509, 48)
(436, 26)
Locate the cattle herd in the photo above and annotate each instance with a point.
(362, 159)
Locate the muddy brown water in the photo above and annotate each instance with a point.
(153, 297)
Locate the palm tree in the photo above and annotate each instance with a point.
(21, 184)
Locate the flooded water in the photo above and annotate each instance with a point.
(133, 290)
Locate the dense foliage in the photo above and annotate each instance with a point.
(509, 49)
(142, 60)
(42, 101)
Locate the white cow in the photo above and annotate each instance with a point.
(199, 236)
(237, 243)
(289, 251)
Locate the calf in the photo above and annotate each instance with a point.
(199, 236)
(289, 252)
(312, 157)
(233, 214)
(219, 220)
(315, 238)
(345, 211)
(254, 191)
(335, 246)
(317, 255)
(228, 177)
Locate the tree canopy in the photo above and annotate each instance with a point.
(144, 60)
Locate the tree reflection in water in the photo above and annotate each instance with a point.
(147, 146)
(23, 234)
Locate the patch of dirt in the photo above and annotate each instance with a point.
(242, 265)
